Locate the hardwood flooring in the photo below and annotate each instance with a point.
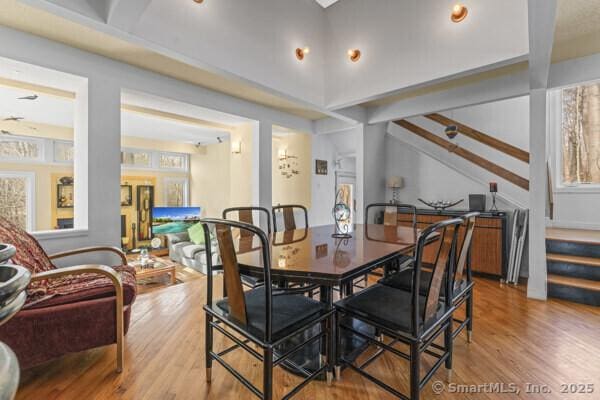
(516, 341)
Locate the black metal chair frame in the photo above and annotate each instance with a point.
(215, 321)
(259, 209)
(280, 207)
(419, 340)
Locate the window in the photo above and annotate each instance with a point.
(176, 192)
(18, 148)
(580, 135)
(136, 158)
(172, 161)
(16, 198)
(64, 152)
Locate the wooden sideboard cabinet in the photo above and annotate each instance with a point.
(489, 250)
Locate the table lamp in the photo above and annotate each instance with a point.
(395, 183)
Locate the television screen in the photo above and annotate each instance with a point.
(173, 219)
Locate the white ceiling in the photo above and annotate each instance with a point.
(326, 3)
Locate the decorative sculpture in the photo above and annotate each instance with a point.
(441, 204)
(341, 215)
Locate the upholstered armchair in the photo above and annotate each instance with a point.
(68, 309)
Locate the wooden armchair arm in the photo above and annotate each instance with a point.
(115, 278)
(83, 250)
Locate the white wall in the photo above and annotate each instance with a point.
(106, 79)
(404, 43)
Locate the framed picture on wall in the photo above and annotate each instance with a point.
(126, 196)
(321, 167)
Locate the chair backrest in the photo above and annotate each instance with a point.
(29, 253)
(442, 268)
(287, 212)
(246, 214)
(464, 254)
(231, 271)
(390, 214)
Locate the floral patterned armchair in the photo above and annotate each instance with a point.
(68, 309)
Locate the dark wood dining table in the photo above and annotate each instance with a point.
(314, 256)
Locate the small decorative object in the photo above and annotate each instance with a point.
(133, 237)
(155, 243)
(65, 196)
(144, 257)
(395, 183)
(451, 131)
(66, 180)
(341, 215)
(126, 196)
(477, 202)
(441, 204)
(321, 167)
(493, 191)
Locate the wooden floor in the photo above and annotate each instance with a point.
(516, 340)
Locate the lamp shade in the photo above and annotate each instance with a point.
(395, 182)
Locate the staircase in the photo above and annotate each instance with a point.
(573, 257)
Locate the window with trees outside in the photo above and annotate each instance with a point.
(580, 135)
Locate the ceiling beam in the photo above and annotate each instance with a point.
(124, 14)
(542, 21)
(501, 88)
(183, 119)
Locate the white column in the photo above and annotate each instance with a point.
(536, 286)
(103, 148)
(370, 168)
(262, 172)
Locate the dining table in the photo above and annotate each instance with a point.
(313, 256)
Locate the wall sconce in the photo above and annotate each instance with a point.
(236, 147)
(395, 183)
(300, 53)
(354, 54)
(459, 12)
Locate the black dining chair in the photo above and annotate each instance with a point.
(246, 214)
(391, 214)
(406, 317)
(463, 277)
(287, 215)
(266, 316)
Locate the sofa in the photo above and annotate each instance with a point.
(183, 251)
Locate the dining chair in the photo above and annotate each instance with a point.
(288, 213)
(463, 277)
(407, 317)
(246, 214)
(265, 316)
(391, 212)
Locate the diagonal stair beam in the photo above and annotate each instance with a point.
(482, 137)
(466, 154)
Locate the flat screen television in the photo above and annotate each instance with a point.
(173, 219)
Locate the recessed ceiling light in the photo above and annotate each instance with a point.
(354, 54)
(300, 53)
(459, 12)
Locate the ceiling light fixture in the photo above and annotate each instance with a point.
(199, 1)
(459, 12)
(301, 52)
(354, 55)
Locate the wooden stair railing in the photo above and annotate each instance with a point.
(474, 134)
(466, 154)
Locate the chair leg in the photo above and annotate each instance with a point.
(120, 326)
(448, 344)
(268, 374)
(470, 316)
(337, 350)
(208, 335)
(331, 339)
(415, 371)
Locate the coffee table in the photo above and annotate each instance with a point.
(156, 266)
